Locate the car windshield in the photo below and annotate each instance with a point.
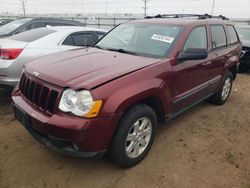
(244, 33)
(141, 39)
(12, 26)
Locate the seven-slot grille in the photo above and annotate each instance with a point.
(39, 93)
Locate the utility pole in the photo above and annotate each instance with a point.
(213, 7)
(145, 7)
(106, 7)
(23, 4)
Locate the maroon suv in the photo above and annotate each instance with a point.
(110, 98)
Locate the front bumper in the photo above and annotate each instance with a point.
(68, 134)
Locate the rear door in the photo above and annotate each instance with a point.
(190, 77)
(219, 53)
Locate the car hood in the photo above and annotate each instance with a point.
(86, 68)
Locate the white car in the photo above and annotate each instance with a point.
(17, 50)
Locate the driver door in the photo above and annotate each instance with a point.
(189, 82)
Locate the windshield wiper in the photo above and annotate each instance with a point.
(121, 51)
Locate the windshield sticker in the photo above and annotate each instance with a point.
(162, 38)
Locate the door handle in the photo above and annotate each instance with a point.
(206, 63)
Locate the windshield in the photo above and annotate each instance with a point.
(244, 33)
(141, 39)
(12, 26)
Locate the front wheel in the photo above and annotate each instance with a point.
(222, 95)
(134, 136)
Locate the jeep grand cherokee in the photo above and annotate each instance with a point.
(110, 98)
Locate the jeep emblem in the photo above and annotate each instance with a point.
(35, 73)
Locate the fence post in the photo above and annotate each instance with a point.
(98, 22)
(114, 22)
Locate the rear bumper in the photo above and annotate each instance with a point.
(68, 134)
(8, 82)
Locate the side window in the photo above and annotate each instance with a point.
(68, 41)
(79, 39)
(197, 38)
(100, 35)
(218, 36)
(233, 38)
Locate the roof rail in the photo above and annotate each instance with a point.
(199, 16)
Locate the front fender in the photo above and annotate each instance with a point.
(132, 93)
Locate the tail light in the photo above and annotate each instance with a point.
(10, 54)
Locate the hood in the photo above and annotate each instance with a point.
(246, 43)
(86, 68)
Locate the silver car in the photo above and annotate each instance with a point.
(18, 50)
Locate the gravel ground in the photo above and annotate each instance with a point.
(208, 146)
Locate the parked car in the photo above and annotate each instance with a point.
(244, 33)
(18, 50)
(25, 24)
(111, 97)
(5, 21)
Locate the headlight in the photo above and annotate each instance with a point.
(79, 103)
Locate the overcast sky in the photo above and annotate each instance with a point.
(229, 8)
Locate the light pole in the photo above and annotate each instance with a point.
(213, 7)
(145, 7)
(106, 7)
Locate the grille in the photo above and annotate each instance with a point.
(39, 94)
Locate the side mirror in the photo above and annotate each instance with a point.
(193, 54)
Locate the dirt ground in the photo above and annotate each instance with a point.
(208, 146)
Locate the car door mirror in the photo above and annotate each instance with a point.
(193, 54)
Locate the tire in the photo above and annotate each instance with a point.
(134, 136)
(224, 92)
(242, 68)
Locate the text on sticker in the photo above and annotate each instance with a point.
(162, 38)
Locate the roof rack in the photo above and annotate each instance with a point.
(199, 16)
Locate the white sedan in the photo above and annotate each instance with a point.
(17, 50)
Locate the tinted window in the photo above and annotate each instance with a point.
(33, 35)
(197, 39)
(79, 39)
(149, 40)
(233, 38)
(100, 35)
(12, 26)
(218, 36)
(68, 41)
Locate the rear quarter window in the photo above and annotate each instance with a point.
(219, 38)
(30, 36)
(233, 37)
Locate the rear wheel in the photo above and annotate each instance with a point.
(222, 95)
(134, 136)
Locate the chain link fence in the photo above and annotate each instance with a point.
(110, 22)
